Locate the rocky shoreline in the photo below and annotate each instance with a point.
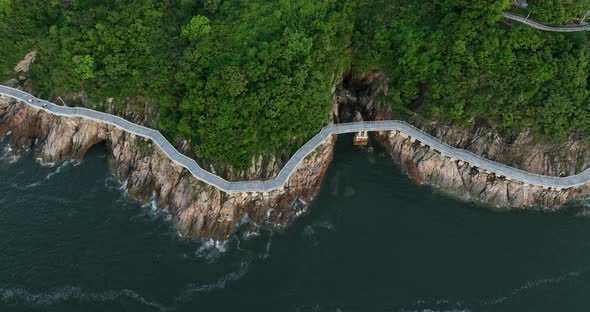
(202, 211)
(424, 165)
(197, 209)
(358, 99)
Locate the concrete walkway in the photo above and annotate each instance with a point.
(539, 26)
(310, 146)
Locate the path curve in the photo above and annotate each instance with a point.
(277, 183)
(539, 26)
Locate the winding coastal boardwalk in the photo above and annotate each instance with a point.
(277, 183)
(539, 26)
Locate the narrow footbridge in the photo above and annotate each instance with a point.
(539, 26)
(402, 128)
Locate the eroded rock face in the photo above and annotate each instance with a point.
(197, 209)
(516, 148)
(425, 165)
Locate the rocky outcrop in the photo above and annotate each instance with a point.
(197, 209)
(425, 165)
(516, 148)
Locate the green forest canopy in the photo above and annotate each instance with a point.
(240, 78)
(558, 11)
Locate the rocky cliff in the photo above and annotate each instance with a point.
(516, 148)
(200, 210)
(197, 209)
(425, 165)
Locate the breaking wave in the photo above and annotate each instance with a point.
(59, 169)
(211, 249)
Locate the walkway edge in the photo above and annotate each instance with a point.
(539, 26)
(289, 168)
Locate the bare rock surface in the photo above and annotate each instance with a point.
(197, 209)
(425, 165)
(517, 149)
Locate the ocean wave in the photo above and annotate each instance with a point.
(114, 184)
(123, 186)
(41, 162)
(435, 305)
(528, 285)
(266, 253)
(7, 155)
(152, 208)
(59, 169)
(71, 293)
(301, 206)
(211, 248)
(221, 283)
(13, 158)
(31, 185)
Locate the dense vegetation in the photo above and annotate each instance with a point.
(456, 60)
(558, 11)
(239, 78)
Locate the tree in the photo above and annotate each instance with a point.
(5, 8)
(198, 27)
(558, 11)
(84, 66)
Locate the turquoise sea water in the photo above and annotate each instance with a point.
(71, 240)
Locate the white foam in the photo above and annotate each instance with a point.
(6, 151)
(267, 247)
(59, 169)
(250, 234)
(211, 248)
(268, 213)
(435, 305)
(123, 186)
(31, 185)
(153, 202)
(41, 162)
(244, 219)
(325, 225)
(528, 285)
(584, 213)
(13, 158)
(72, 293)
(300, 203)
(221, 283)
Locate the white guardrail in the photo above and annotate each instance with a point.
(539, 26)
(289, 168)
(285, 173)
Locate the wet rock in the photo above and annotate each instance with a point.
(197, 209)
(425, 165)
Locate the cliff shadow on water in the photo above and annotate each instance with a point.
(365, 98)
(73, 240)
(200, 210)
